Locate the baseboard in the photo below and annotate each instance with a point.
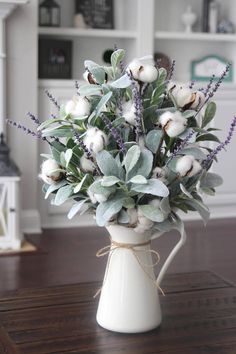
(30, 221)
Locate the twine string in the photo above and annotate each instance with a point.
(114, 246)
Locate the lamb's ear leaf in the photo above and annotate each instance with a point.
(153, 139)
(209, 114)
(107, 164)
(76, 208)
(153, 186)
(106, 210)
(116, 57)
(152, 213)
(122, 82)
(131, 158)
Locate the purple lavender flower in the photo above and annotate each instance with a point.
(171, 72)
(33, 118)
(26, 130)
(138, 107)
(183, 143)
(114, 132)
(77, 86)
(52, 99)
(192, 83)
(221, 146)
(209, 85)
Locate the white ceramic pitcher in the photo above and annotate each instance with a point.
(129, 299)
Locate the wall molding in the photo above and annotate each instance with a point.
(30, 221)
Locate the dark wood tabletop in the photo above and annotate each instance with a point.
(199, 317)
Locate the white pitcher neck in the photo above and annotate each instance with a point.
(124, 234)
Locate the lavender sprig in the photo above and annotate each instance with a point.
(52, 99)
(114, 132)
(138, 107)
(77, 87)
(26, 130)
(215, 88)
(171, 72)
(209, 85)
(221, 146)
(182, 144)
(86, 151)
(33, 118)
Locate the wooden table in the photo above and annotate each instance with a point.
(199, 317)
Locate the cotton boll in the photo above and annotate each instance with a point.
(155, 202)
(159, 173)
(199, 100)
(144, 224)
(48, 172)
(148, 74)
(134, 67)
(95, 140)
(187, 166)
(97, 198)
(86, 165)
(78, 106)
(87, 76)
(173, 123)
(129, 112)
(196, 168)
(183, 97)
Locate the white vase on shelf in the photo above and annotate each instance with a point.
(188, 19)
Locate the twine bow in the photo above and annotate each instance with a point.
(132, 247)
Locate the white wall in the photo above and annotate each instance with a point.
(22, 94)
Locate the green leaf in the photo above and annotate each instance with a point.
(122, 82)
(131, 157)
(128, 203)
(101, 106)
(208, 137)
(98, 74)
(144, 165)
(53, 187)
(189, 113)
(108, 181)
(63, 194)
(165, 206)
(209, 114)
(162, 74)
(116, 57)
(56, 149)
(123, 217)
(152, 213)
(76, 208)
(89, 90)
(194, 151)
(153, 186)
(80, 184)
(105, 211)
(68, 156)
(185, 191)
(211, 180)
(138, 180)
(98, 188)
(107, 164)
(153, 139)
(200, 207)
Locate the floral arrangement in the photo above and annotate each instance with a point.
(131, 145)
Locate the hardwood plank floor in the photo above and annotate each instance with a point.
(68, 255)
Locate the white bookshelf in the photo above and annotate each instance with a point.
(195, 36)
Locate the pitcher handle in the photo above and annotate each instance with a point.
(173, 252)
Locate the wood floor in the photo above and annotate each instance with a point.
(67, 256)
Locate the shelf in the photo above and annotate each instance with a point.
(78, 32)
(58, 83)
(195, 36)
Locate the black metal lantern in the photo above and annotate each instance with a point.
(49, 14)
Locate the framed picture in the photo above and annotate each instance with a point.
(203, 69)
(55, 59)
(96, 13)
